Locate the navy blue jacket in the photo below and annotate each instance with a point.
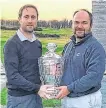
(21, 66)
(84, 66)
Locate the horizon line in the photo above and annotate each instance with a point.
(38, 19)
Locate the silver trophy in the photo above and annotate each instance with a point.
(51, 68)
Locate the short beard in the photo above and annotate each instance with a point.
(29, 31)
(79, 36)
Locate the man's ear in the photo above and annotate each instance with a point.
(19, 19)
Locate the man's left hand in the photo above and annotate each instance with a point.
(63, 92)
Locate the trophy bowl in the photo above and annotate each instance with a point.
(51, 69)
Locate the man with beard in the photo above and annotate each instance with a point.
(21, 53)
(84, 66)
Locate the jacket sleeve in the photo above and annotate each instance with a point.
(95, 68)
(11, 63)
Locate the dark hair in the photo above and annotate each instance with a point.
(27, 6)
(89, 13)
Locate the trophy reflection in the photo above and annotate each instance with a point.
(51, 69)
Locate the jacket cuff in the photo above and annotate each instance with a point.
(37, 87)
(70, 88)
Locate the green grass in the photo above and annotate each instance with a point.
(3, 96)
(64, 38)
(51, 103)
(46, 103)
(61, 32)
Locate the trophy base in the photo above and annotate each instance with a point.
(53, 94)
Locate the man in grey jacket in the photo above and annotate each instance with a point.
(84, 66)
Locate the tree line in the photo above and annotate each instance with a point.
(14, 24)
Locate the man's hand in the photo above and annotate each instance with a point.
(44, 92)
(63, 92)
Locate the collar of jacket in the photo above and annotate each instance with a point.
(73, 38)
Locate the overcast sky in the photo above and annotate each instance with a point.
(48, 9)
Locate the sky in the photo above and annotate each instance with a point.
(48, 9)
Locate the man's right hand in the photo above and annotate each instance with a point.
(44, 93)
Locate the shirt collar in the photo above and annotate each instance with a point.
(23, 38)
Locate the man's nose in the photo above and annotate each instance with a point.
(29, 19)
(80, 25)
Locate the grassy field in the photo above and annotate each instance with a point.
(64, 38)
